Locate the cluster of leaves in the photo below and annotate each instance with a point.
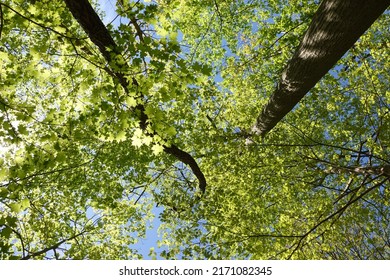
(79, 177)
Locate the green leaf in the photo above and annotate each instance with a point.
(157, 149)
(131, 101)
(6, 232)
(25, 203)
(15, 207)
(121, 136)
(171, 131)
(4, 172)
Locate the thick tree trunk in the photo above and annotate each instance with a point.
(335, 27)
(83, 12)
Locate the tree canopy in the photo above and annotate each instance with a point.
(100, 124)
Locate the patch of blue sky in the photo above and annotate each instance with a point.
(152, 237)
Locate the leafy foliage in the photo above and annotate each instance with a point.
(80, 176)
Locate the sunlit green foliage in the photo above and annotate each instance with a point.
(79, 178)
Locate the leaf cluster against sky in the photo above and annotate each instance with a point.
(93, 138)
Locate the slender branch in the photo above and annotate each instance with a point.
(53, 247)
(219, 14)
(134, 22)
(358, 152)
(47, 173)
(253, 235)
(34, 22)
(271, 47)
(1, 19)
(341, 210)
(19, 236)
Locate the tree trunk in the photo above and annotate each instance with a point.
(335, 27)
(84, 13)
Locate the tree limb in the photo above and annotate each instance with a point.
(84, 13)
(55, 246)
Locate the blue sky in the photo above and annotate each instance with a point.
(109, 8)
(143, 246)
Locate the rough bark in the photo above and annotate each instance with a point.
(335, 27)
(84, 13)
(381, 170)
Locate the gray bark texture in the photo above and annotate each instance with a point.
(334, 29)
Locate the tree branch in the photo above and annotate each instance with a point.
(83, 12)
(34, 22)
(1, 19)
(341, 210)
(53, 247)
